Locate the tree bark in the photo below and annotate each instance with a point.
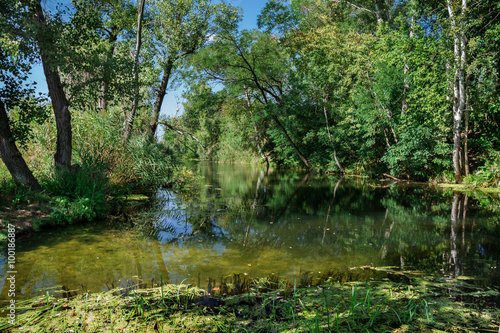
(463, 88)
(153, 124)
(460, 54)
(57, 95)
(129, 119)
(466, 136)
(11, 157)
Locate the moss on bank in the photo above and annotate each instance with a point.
(424, 305)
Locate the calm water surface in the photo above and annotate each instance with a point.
(244, 220)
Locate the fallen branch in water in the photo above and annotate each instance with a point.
(392, 177)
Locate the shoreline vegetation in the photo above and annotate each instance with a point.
(402, 301)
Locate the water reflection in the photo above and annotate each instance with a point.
(254, 222)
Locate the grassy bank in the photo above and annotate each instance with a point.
(421, 304)
(469, 188)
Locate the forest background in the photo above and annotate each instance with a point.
(409, 89)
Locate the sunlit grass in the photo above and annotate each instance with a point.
(267, 305)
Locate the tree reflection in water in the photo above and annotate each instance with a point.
(254, 222)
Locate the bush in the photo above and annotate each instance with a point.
(14, 194)
(80, 194)
(487, 175)
(417, 154)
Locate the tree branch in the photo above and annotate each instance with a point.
(165, 123)
(355, 6)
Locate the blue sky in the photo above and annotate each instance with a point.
(250, 8)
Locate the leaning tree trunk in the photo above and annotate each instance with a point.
(57, 95)
(155, 116)
(11, 156)
(280, 102)
(129, 118)
(290, 141)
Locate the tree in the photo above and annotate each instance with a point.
(15, 57)
(46, 42)
(115, 16)
(95, 47)
(255, 63)
(179, 29)
(129, 117)
(457, 15)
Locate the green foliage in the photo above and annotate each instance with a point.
(93, 48)
(145, 166)
(272, 305)
(276, 16)
(413, 156)
(139, 165)
(487, 175)
(80, 194)
(15, 195)
(106, 170)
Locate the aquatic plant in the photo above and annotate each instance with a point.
(425, 306)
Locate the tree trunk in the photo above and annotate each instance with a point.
(283, 129)
(11, 156)
(466, 136)
(182, 133)
(331, 141)
(153, 123)
(277, 98)
(458, 87)
(57, 95)
(129, 119)
(463, 88)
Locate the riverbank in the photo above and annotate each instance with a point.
(28, 216)
(415, 304)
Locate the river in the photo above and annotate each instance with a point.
(244, 220)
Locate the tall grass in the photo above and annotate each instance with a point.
(106, 169)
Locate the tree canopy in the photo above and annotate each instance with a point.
(404, 88)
